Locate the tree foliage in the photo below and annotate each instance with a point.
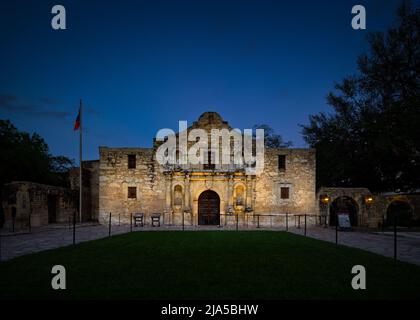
(372, 136)
(25, 156)
(271, 138)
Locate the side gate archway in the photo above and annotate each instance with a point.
(402, 211)
(352, 201)
(345, 205)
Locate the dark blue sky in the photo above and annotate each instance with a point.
(143, 65)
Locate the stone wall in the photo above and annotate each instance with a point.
(371, 213)
(115, 177)
(298, 176)
(90, 196)
(383, 202)
(31, 202)
(174, 190)
(156, 190)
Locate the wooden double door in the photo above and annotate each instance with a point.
(209, 208)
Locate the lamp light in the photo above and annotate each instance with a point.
(325, 199)
(368, 199)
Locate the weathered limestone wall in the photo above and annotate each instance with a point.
(299, 176)
(366, 215)
(115, 178)
(93, 187)
(90, 197)
(174, 190)
(30, 202)
(383, 201)
(261, 193)
(369, 214)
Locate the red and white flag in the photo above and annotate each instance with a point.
(77, 122)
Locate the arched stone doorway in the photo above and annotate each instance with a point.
(344, 205)
(209, 208)
(400, 209)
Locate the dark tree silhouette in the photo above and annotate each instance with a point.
(26, 157)
(272, 139)
(372, 136)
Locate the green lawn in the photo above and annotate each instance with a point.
(206, 265)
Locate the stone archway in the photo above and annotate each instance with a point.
(356, 200)
(347, 205)
(209, 208)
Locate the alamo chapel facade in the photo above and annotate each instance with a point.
(132, 181)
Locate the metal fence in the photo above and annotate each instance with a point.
(238, 222)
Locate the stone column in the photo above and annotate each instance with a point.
(229, 199)
(253, 195)
(248, 196)
(168, 200)
(187, 210)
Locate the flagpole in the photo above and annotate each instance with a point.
(80, 162)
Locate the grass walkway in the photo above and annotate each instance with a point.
(207, 265)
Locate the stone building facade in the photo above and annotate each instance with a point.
(28, 204)
(175, 192)
(367, 209)
(132, 181)
(125, 181)
(90, 196)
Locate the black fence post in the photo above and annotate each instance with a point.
(258, 220)
(305, 225)
(336, 232)
(74, 227)
(109, 225)
(119, 219)
(395, 239)
(237, 221)
(131, 222)
(287, 221)
(183, 220)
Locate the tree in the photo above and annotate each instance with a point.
(272, 139)
(61, 164)
(26, 157)
(372, 136)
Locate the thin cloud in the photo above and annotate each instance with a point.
(6, 99)
(92, 111)
(12, 104)
(49, 101)
(43, 107)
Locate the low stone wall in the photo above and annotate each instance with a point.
(372, 209)
(31, 204)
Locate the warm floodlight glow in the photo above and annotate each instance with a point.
(325, 199)
(368, 199)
